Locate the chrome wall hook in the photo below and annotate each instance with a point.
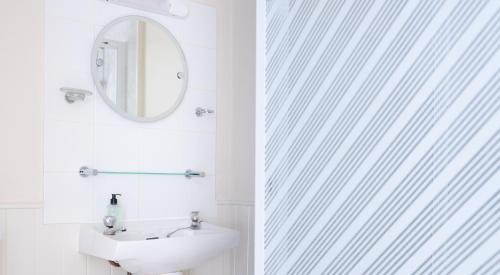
(202, 111)
(72, 94)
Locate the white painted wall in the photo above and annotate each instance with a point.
(21, 58)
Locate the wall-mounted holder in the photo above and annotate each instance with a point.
(72, 94)
(86, 172)
(202, 111)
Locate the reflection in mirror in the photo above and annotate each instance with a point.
(139, 68)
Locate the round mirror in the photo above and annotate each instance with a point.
(139, 68)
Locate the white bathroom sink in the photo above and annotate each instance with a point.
(184, 250)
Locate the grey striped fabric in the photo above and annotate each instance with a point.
(382, 137)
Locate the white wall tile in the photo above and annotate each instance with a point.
(163, 151)
(69, 9)
(201, 64)
(117, 148)
(68, 146)
(201, 150)
(201, 195)
(68, 45)
(177, 151)
(162, 196)
(67, 197)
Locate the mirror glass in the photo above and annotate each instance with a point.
(139, 68)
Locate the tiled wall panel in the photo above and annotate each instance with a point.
(383, 137)
(90, 133)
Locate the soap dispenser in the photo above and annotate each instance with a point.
(115, 210)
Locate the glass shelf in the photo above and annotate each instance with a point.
(86, 172)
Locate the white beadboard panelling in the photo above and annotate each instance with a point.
(68, 145)
(251, 240)
(72, 262)
(20, 242)
(126, 185)
(3, 248)
(241, 253)
(67, 197)
(236, 261)
(96, 266)
(227, 219)
(48, 247)
(31, 247)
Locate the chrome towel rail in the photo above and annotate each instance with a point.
(86, 171)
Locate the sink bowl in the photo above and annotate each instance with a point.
(145, 249)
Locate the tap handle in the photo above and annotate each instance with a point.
(195, 216)
(109, 221)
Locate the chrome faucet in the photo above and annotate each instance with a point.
(195, 220)
(109, 222)
(195, 224)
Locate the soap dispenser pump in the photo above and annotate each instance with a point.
(115, 210)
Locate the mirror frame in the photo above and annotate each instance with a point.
(100, 90)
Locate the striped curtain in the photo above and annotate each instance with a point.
(382, 137)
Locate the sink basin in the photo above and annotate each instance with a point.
(145, 249)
